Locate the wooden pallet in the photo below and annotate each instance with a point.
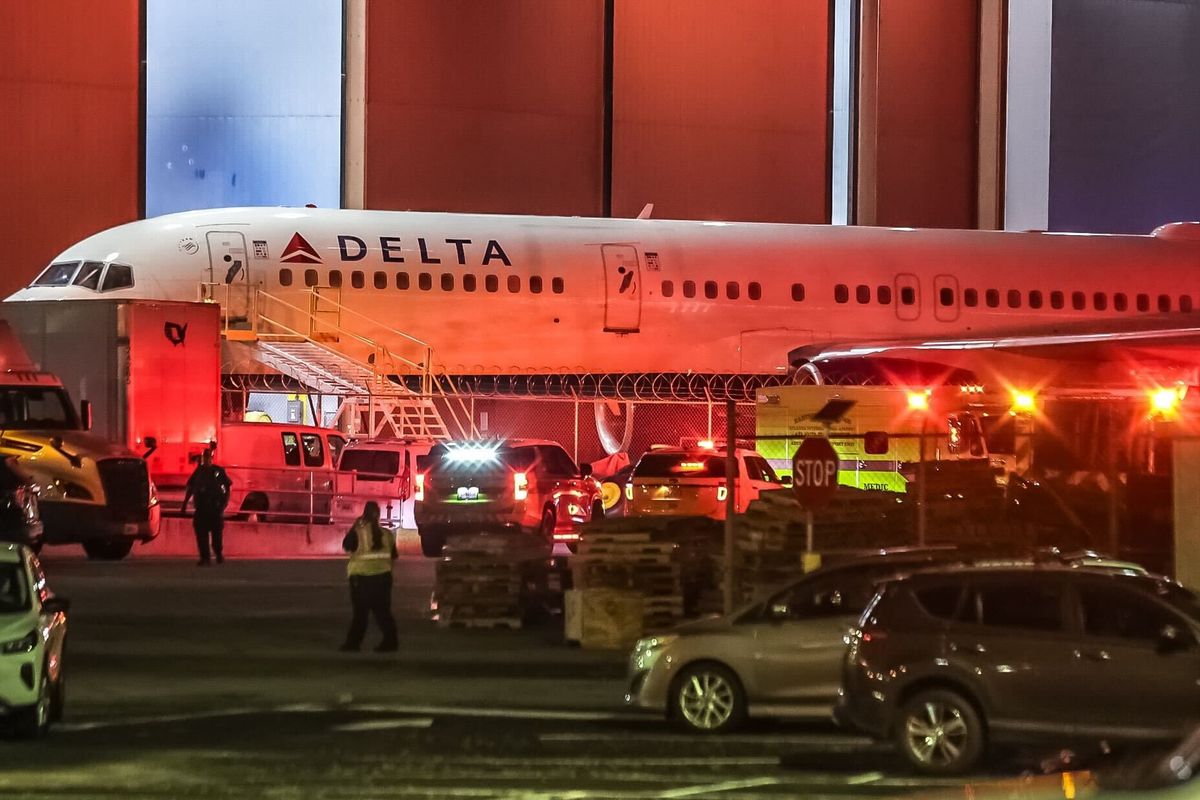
(510, 623)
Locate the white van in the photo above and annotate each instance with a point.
(280, 472)
(382, 471)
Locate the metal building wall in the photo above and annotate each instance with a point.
(721, 109)
(1124, 115)
(488, 107)
(920, 75)
(69, 153)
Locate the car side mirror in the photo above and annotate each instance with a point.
(85, 414)
(585, 470)
(778, 612)
(56, 605)
(786, 480)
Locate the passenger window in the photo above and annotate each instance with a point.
(1100, 301)
(732, 290)
(862, 294)
(1056, 299)
(1120, 302)
(1014, 298)
(447, 282)
(798, 292)
(689, 288)
(557, 286)
(470, 283)
(556, 462)
(940, 602)
(381, 280)
(992, 297)
(1078, 301)
(831, 596)
(1035, 299)
(1164, 302)
(336, 445)
(1120, 614)
(491, 283)
(884, 295)
(425, 281)
(908, 296)
(765, 471)
(754, 290)
(314, 452)
(946, 296)
(335, 279)
(514, 283)
(89, 275)
(285, 277)
(117, 276)
(310, 278)
(970, 298)
(841, 293)
(402, 281)
(357, 279)
(710, 290)
(535, 284)
(1026, 605)
(1143, 302)
(291, 449)
(668, 289)
(1185, 303)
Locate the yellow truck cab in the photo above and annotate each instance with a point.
(90, 490)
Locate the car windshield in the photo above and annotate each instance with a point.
(35, 408)
(680, 465)
(371, 465)
(14, 589)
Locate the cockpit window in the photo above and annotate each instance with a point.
(119, 276)
(89, 275)
(59, 274)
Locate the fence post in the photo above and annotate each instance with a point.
(730, 498)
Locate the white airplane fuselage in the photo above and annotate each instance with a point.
(636, 296)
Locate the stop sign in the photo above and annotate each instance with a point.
(814, 472)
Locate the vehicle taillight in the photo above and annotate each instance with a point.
(874, 635)
(520, 486)
(722, 493)
(419, 494)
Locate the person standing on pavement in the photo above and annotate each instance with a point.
(209, 485)
(372, 551)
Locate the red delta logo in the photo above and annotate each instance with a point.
(299, 251)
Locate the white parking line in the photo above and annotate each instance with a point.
(503, 713)
(384, 724)
(803, 739)
(710, 788)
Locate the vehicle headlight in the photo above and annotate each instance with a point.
(153, 494)
(23, 645)
(647, 650)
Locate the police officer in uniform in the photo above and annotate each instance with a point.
(372, 550)
(209, 485)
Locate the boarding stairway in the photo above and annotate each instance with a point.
(315, 346)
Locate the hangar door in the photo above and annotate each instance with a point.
(622, 289)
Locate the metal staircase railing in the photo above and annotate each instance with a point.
(303, 343)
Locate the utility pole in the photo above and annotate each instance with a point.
(730, 498)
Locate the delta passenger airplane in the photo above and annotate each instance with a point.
(501, 295)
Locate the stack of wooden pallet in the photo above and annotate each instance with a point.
(631, 561)
(482, 578)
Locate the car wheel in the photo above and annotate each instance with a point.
(107, 549)
(549, 523)
(58, 695)
(432, 543)
(254, 508)
(31, 722)
(708, 698)
(940, 733)
(597, 510)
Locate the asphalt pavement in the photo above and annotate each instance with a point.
(226, 682)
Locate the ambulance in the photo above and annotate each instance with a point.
(939, 422)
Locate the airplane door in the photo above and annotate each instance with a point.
(908, 297)
(622, 289)
(228, 275)
(945, 298)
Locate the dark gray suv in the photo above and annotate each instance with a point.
(946, 663)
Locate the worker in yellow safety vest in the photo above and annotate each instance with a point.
(372, 550)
